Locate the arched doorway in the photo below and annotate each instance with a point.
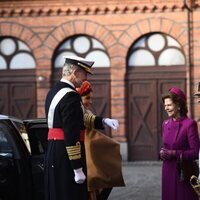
(92, 49)
(155, 63)
(17, 79)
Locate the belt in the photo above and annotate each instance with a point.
(58, 134)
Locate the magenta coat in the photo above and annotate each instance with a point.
(182, 136)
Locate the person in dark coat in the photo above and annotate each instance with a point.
(65, 163)
(180, 140)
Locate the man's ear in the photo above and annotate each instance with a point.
(75, 72)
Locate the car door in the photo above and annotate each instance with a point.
(37, 134)
(15, 168)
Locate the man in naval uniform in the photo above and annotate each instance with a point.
(65, 163)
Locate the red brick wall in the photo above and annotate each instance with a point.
(116, 24)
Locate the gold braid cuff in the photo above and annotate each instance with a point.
(89, 120)
(74, 152)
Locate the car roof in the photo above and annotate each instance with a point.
(35, 120)
(10, 118)
(3, 117)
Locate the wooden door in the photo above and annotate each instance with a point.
(145, 111)
(18, 93)
(22, 100)
(100, 82)
(142, 121)
(4, 98)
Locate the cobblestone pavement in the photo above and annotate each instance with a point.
(143, 182)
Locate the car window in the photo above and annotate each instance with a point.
(5, 146)
(22, 130)
(38, 139)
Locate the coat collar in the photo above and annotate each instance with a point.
(176, 125)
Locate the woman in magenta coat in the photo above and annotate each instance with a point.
(180, 137)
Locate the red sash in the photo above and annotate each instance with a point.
(58, 134)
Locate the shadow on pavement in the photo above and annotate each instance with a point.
(142, 179)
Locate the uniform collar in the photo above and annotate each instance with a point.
(68, 82)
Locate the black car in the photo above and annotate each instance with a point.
(22, 146)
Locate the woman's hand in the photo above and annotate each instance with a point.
(166, 154)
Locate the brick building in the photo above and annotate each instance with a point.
(141, 48)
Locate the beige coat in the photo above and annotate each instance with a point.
(103, 161)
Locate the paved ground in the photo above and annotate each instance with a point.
(143, 182)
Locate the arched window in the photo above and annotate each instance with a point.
(84, 46)
(156, 49)
(15, 54)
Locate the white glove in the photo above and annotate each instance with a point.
(112, 123)
(79, 176)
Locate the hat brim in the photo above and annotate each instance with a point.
(80, 62)
(84, 67)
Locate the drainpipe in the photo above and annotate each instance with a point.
(189, 14)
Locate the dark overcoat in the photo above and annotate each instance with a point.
(67, 114)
